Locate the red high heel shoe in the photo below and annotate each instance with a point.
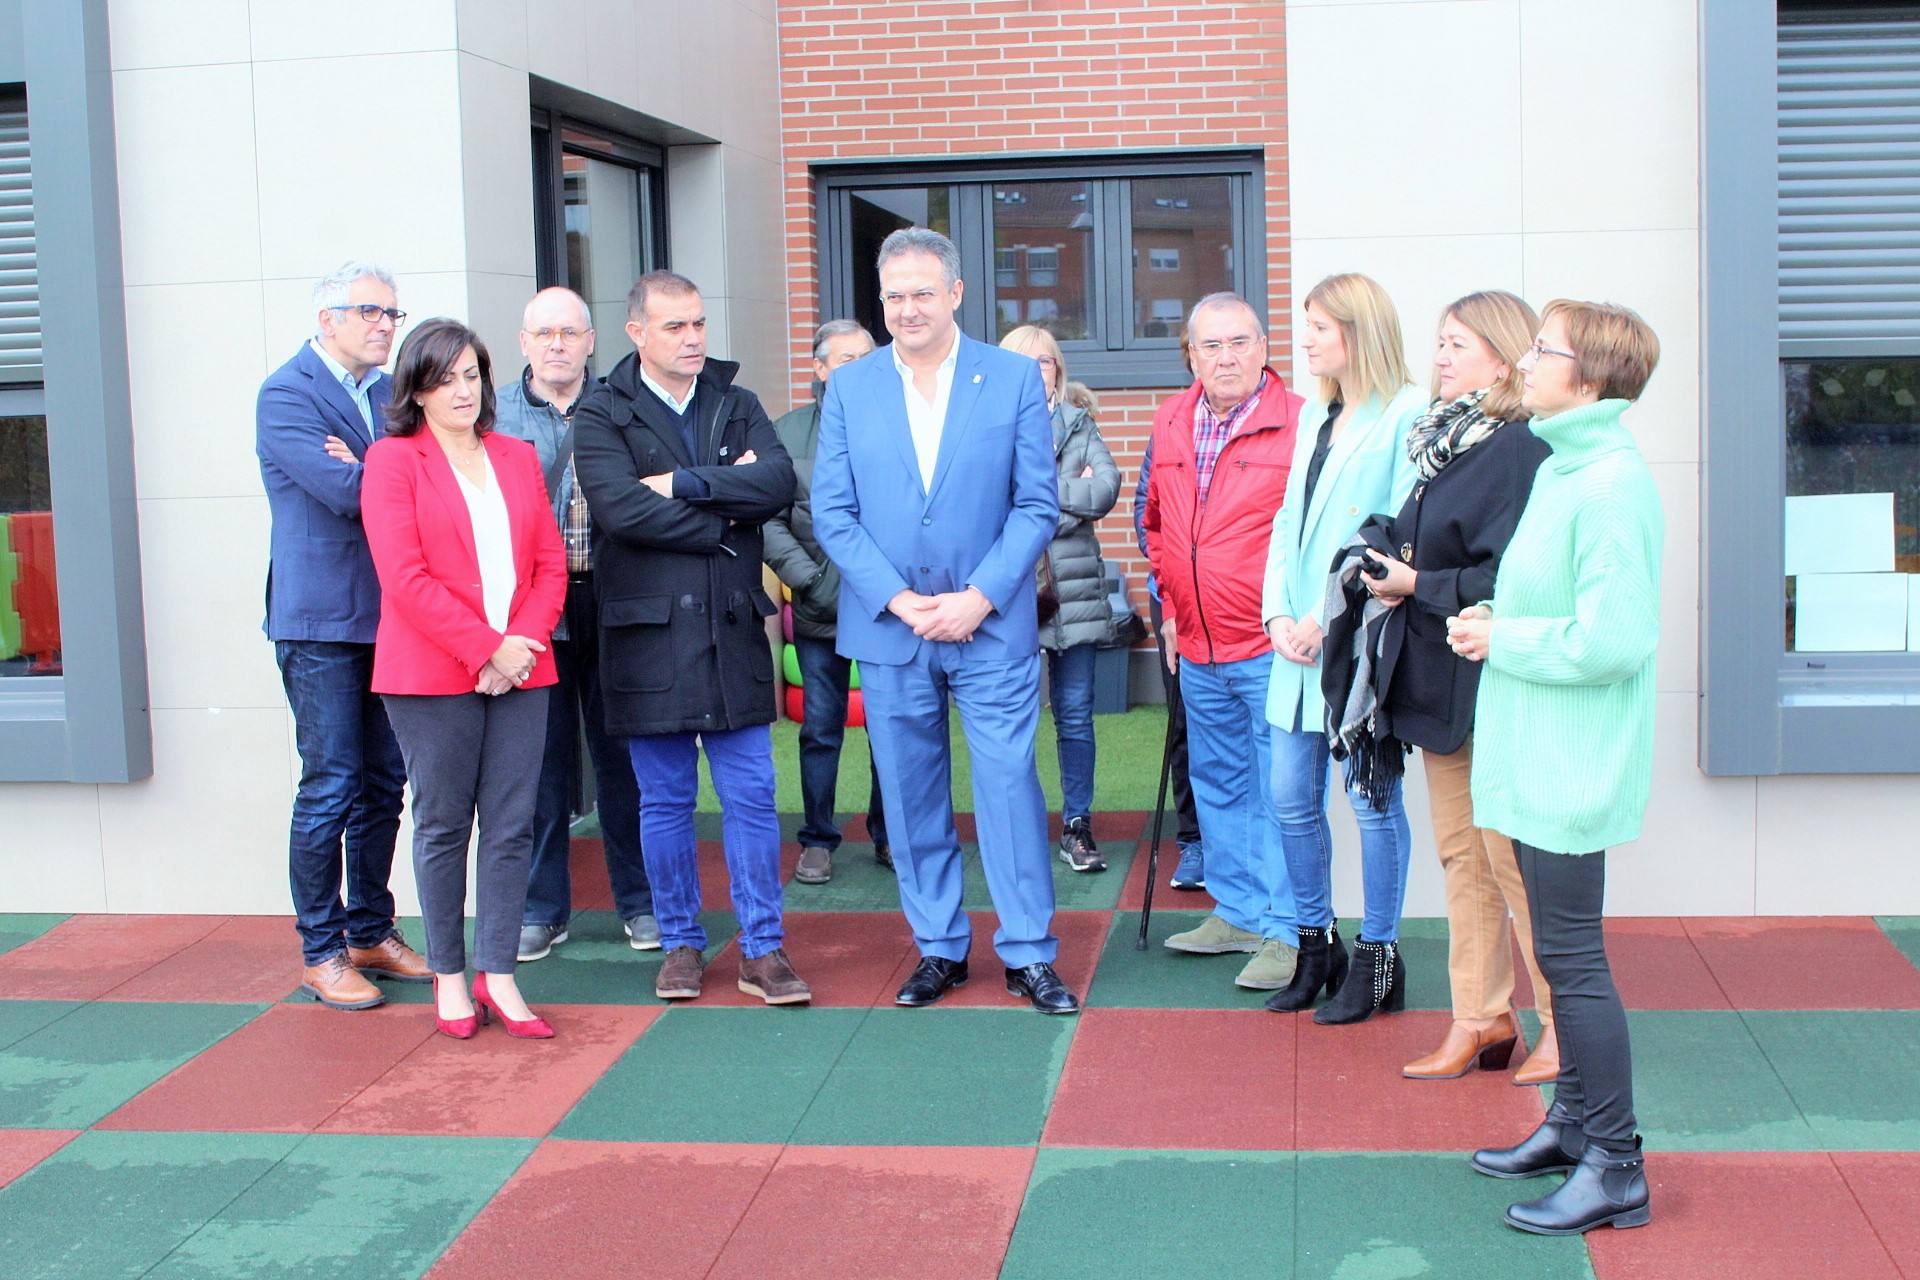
(458, 1028)
(532, 1029)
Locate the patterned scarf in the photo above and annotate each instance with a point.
(1447, 430)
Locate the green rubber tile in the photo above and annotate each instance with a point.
(1397, 1215)
(861, 884)
(1854, 1074)
(941, 1077)
(1161, 979)
(338, 1204)
(73, 1071)
(1154, 1214)
(716, 1075)
(116, 1204)
(1904, 931)
(16, 929)
(598, 965)
(21, 1018)
(1423, 947)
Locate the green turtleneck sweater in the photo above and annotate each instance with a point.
(1563, 729)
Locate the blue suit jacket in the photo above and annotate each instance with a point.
(991, 511)
(320, 580)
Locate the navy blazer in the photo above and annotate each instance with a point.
(989, 514)
(320, 579)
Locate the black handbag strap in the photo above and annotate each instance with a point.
(558, 467)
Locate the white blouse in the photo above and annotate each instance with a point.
(493, 541)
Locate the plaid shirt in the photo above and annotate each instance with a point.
(577, 530)
(1211, 433)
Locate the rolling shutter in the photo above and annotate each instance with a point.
(20, 359)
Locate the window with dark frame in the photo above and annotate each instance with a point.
(599, 212)
(30, 642)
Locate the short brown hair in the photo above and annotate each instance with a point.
(1507, 325)
(426, 360)
(670, 283)
(1615, 350)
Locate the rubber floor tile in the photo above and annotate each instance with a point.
(284, 1072)
(598, 965)
(1350, 1095)
(848, 958)
(21, 1018)
(716, 884)
(495, 1085)
(1701, 1083)
(940, 1077)
(116, 1204)
(1393, 1215)
(1855, 1076)
(1161, 979)
(1423, 950)
(716, 1075)
(608, 1208)
(859, 884)
(21, 1149)
(587, 874)
(1173, 1077)
(339, 1205)
(932, 1213)
(1904, 933)
(1887, 1185)
(88, 956)
(74, 1071)
(1657, 966)
(1752, 1216)
(1155, 1214)
(1165, 897)
(1813, 962)
(19, 928)
(1082, 935)
(248, 959)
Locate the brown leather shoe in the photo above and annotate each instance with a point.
(1543, 1064)
(392, 959)
(1491, 1049)
(338, 985)
(772, 978)
(680, 975)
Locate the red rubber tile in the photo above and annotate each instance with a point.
(21, 1149)
(1756, 1217)
(1166, 1077)
(494, 1085)
(1655, 966)
(284, 1072)
(87, 956)
(608, 1208)
(1776, 962)
(1887, 1185)
(1133, 893)
(1350, 1095)
(933, 1213)
(849, 958)
(587, 873)
(1082, 934)
(248, 959)
(716, 886)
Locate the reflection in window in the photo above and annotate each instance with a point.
(1048, 223)
(607, 233)
(1043, 268)
(1164, 259)
(1006, 268)
(1185, 225)
(876, 213)
(29, 596)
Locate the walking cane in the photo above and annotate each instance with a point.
(1159, 814)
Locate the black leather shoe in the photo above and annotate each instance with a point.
(883, 855)
(1555, 1147)
(1605, 1188)
(932, 978)
(1040, 984)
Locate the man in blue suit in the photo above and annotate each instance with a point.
(934, 494)
(317, 416)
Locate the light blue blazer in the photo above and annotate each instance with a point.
(1366, 471)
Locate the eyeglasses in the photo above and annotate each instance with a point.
(919, 298)
(1048, 361)
(568, 337)
(1540, 348)
(372, 311)
(1213, 348)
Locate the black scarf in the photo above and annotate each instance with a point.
(1363, 641)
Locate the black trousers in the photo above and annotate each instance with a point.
(1565, 893)
(1189, 832)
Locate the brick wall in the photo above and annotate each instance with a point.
(1016, 78)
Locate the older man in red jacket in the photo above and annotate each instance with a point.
(1221, 452)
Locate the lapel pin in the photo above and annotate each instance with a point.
(976, 377)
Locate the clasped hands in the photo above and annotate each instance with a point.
(509, 666)
(1470, 632)
(950, 617)
(1297, 642)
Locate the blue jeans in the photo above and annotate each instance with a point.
(348, 801)
(1228, 762)
(741, 760)
(824, 679)
(1300, 767)
(1070, 686)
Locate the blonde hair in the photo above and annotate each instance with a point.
(1032, 340)
(1376, 361)
(1615, 350)
(1507, 325)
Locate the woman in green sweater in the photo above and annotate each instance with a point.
(1563, 737)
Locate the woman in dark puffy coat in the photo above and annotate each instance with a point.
(1089, 485)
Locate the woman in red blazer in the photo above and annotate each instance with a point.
(472, 576)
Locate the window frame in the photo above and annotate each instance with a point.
(550, 190)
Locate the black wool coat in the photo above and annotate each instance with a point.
(683, 645)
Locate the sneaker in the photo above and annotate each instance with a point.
(816, 865)
(1077, 848)
(1192, 871)
(1214, 936)
(643, 930)
(1271, 967)
(536, 940)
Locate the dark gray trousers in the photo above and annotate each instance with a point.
(469, 753)
(1565, 893)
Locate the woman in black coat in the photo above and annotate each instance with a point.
(1476, 459)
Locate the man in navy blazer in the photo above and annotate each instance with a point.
(934, 494)
(317, 416)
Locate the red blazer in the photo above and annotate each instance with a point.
(433, 636)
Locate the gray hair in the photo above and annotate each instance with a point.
(920, 240)
(586, 312)
(836, 329)
(332, 289)
(1225, 298)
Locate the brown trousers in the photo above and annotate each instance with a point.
(1483, 885)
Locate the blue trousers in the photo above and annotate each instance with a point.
(999, 703)
(667, 767)
(824, 679)
(1300, 767)
(1228, 762)
(1070, 687)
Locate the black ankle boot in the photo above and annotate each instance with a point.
(1605, 1187)
(1554, 1147)
(1322, 963)
(1377, 981)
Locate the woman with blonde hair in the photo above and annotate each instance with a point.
(1350, 460)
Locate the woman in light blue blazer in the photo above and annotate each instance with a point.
(1350, 460)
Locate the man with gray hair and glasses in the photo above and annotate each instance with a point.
(316, 417)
